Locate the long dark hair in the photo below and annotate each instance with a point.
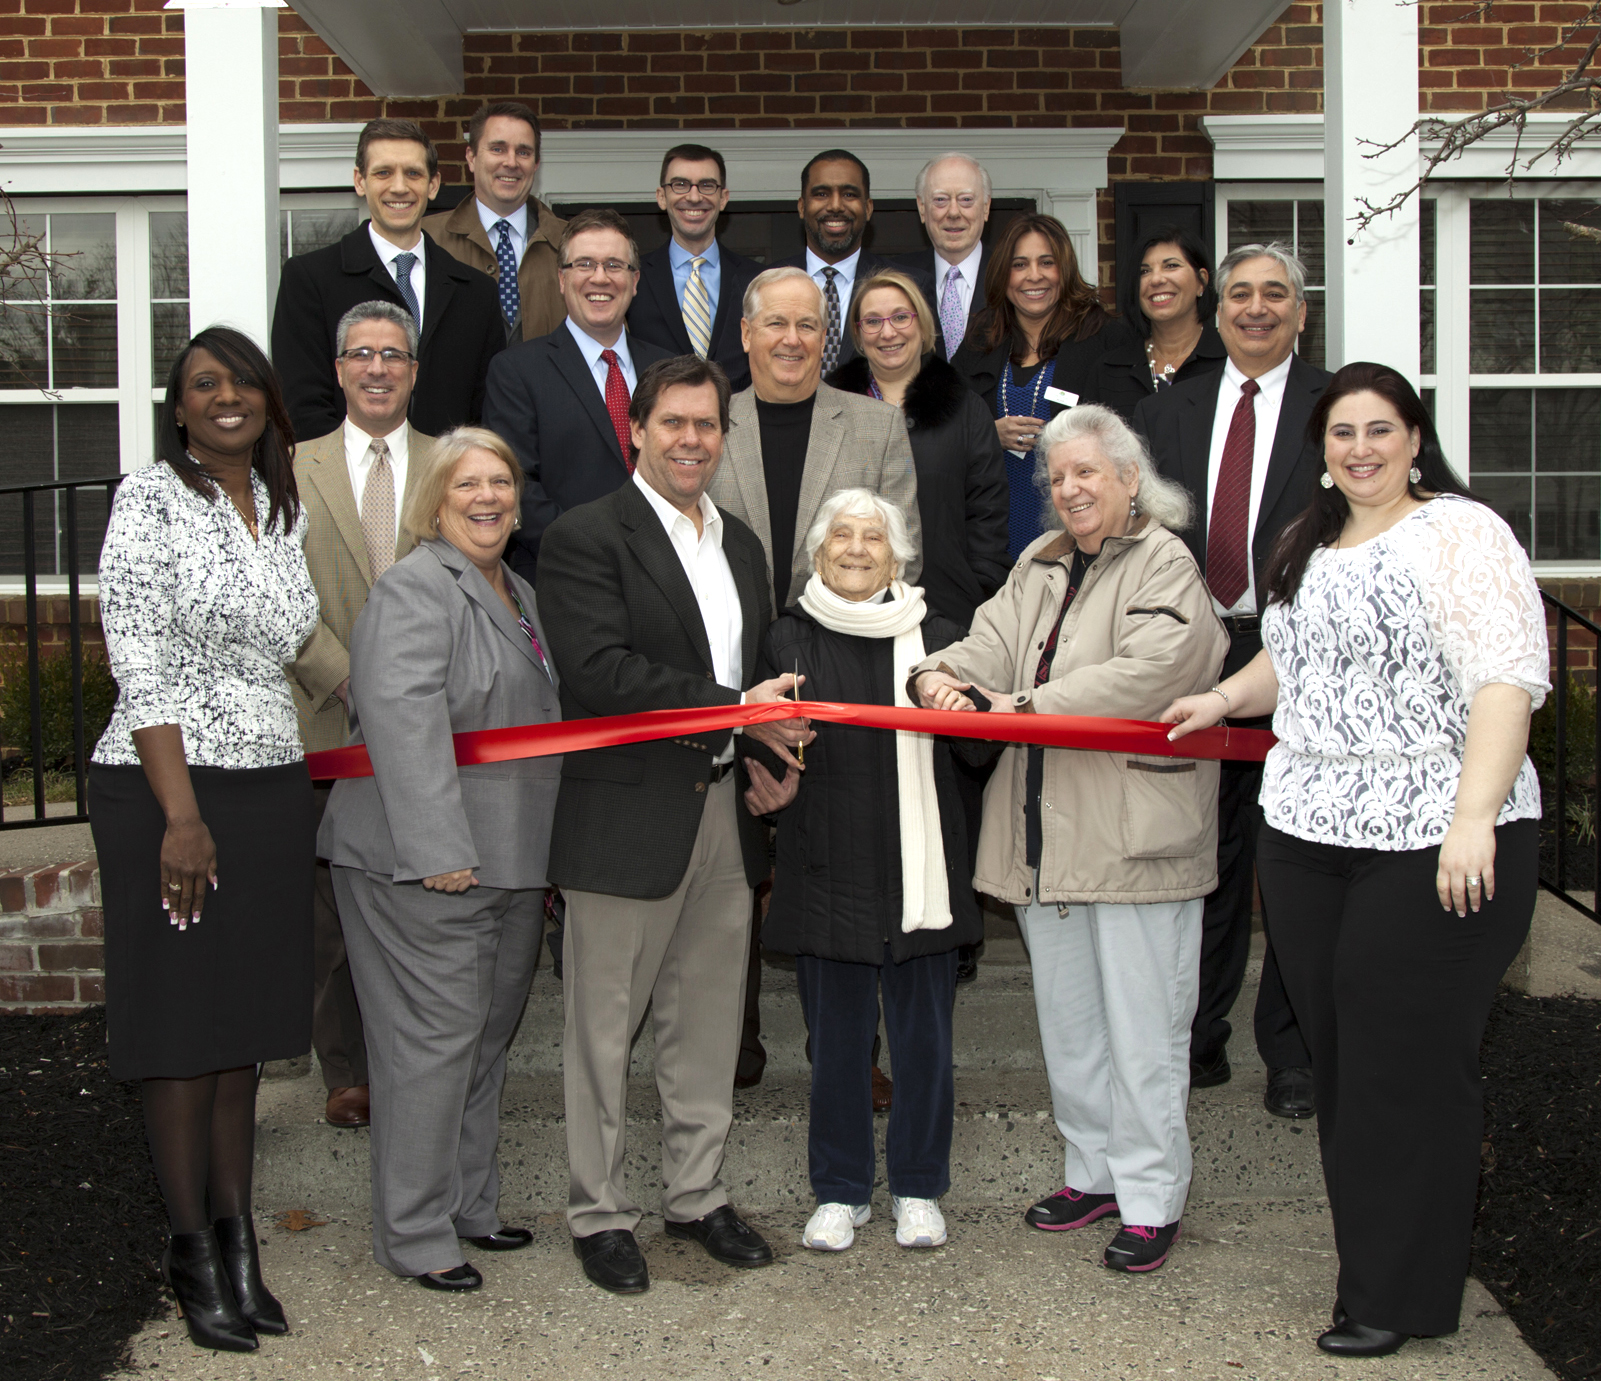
(1325, 516)
(274, 453)
(1079, 313)
(1194, 252)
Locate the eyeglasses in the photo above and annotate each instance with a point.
(393, 359)
(679, 186)
(872, 325)
(613, 267)
(941, 201)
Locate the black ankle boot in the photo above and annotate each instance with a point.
(237, 1238)
(192, 1266)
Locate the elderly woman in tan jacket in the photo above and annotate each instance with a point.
(1106, 856)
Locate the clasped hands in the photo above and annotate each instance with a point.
(940, 691)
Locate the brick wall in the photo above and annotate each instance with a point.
(55, 623)
(52, 954)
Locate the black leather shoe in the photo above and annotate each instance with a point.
(1289, 1093)
(1211, 1072)
(462, 1277)
(966, 963)
(1353, 1339)
(505, 1240)
(1339, 1316)
(612, 1260)
(192, 1267)
(726, 1237)
(237, 1239)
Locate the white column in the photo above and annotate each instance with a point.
(1370, 65)
(231, 94)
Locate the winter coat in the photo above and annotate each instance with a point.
(1122, 378)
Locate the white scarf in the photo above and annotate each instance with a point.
(925, 893)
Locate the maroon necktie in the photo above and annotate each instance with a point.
(617, 406)
(1227, 553)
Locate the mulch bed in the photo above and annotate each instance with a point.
(81, 1222)
(1537, 1242)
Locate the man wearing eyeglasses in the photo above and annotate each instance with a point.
(561, 401)
(690, 289)
(953, 200)
(353, 484)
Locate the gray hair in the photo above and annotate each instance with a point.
(983, 172)
(862, 503)
(1160, 499)
(376, 310)
(1286, 258)
(771, 278)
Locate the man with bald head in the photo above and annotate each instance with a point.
(953, 200)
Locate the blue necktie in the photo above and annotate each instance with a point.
(506, 258)
(403, 263)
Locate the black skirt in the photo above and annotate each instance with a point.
(234, 990)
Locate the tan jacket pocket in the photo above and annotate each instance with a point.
(1163, 815)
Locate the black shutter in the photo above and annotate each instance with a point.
(1146, 207)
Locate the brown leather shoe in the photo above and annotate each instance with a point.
(347, 1107)
(883, 1090)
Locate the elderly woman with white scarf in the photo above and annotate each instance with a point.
(872, 892)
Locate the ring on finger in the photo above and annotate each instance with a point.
(1474, 882)
(175, 887)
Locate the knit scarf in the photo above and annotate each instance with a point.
(925, 893)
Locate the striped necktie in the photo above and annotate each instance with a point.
(698, 309)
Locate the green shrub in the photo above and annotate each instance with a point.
(1581, 737)
(55, 693)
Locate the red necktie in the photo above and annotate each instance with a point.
(1227, 554)
(617, 405)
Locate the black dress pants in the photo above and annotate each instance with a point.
(1392, 993)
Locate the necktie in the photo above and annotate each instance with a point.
(952, 319)
(378, 510)
(408, 295)
(506, 261)
(831, 340)
(1227, 557)
(698, 310)
(617, 405)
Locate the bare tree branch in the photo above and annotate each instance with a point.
(25, 268)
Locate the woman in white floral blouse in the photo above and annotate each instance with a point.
(202, 809)
(1404, 650)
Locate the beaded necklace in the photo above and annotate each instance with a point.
(1012, 400)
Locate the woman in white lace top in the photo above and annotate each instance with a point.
(1404, 651)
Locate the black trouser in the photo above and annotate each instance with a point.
(1392, 993)
(336, 1031)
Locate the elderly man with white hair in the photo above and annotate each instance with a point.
(1106, 856)
(873, 892)
(953, 202)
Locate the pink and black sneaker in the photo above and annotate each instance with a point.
(1068, 1208)
(1139, 1248)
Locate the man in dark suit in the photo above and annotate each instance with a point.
(1237, 441)
(654, 600)
(455, 307)
(562, 401)
(836, 203)
(692, 288)
(953, 201)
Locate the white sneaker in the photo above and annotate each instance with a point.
(833, 1227)
(918, 1222)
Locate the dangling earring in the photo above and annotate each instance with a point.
(1133, 507)
(1327, 480)
(1415, 475)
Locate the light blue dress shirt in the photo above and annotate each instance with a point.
(597, 366)
(711, 272)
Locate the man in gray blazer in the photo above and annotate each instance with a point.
(657, 600)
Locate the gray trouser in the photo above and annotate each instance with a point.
(442, 979)
(685, 954)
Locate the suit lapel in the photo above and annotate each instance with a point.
(330, 476)
(742, 453)
(822, 451)
(570, 363)
(728, 292)
(1195, 452)
(658, 281)
(440, 289)
(477, 588)
(748, 582)
(648, 541)
(1301, 390)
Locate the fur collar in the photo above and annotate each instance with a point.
(933, 398)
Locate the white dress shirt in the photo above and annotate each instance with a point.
(966, 285)
(518, 220)
(843, 284)
(358, 458)
(1267, 403)
(597, 366)
(713, 583)
(419, 271)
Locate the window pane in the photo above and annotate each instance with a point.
(1567, 429)
(1509, 496)
(1259, 222)
(1500, 430)
(85, 342)
(1570, 333)
(1566, 513)
(1311, 347)
(1426, 328)
(1501, 332)
(309, 230)
(23, 362)
(1309, 239)
(26, 280)
(169, 254)
(84, 256)
(169, 333)
(1427, 221)
(45, 441)
(1570, 242)
(1501, 240)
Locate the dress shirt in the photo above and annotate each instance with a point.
(518, 220)
(843, 285)
(711, 272)
(1268, 403)
(419, 270)
(966, 285)
(359, 460)
(713, 583)
(597, 366)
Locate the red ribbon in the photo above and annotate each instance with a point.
(1048, 730)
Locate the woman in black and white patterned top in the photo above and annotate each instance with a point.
(202, 809)
(1404, 650)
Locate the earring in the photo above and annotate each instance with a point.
(1415, 475)
(1327, 481)
(1134, 507)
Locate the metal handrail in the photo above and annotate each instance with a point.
(1557, 886)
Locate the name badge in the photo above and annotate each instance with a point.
(1062, 396)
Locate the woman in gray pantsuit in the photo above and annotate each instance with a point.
(440, 869)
